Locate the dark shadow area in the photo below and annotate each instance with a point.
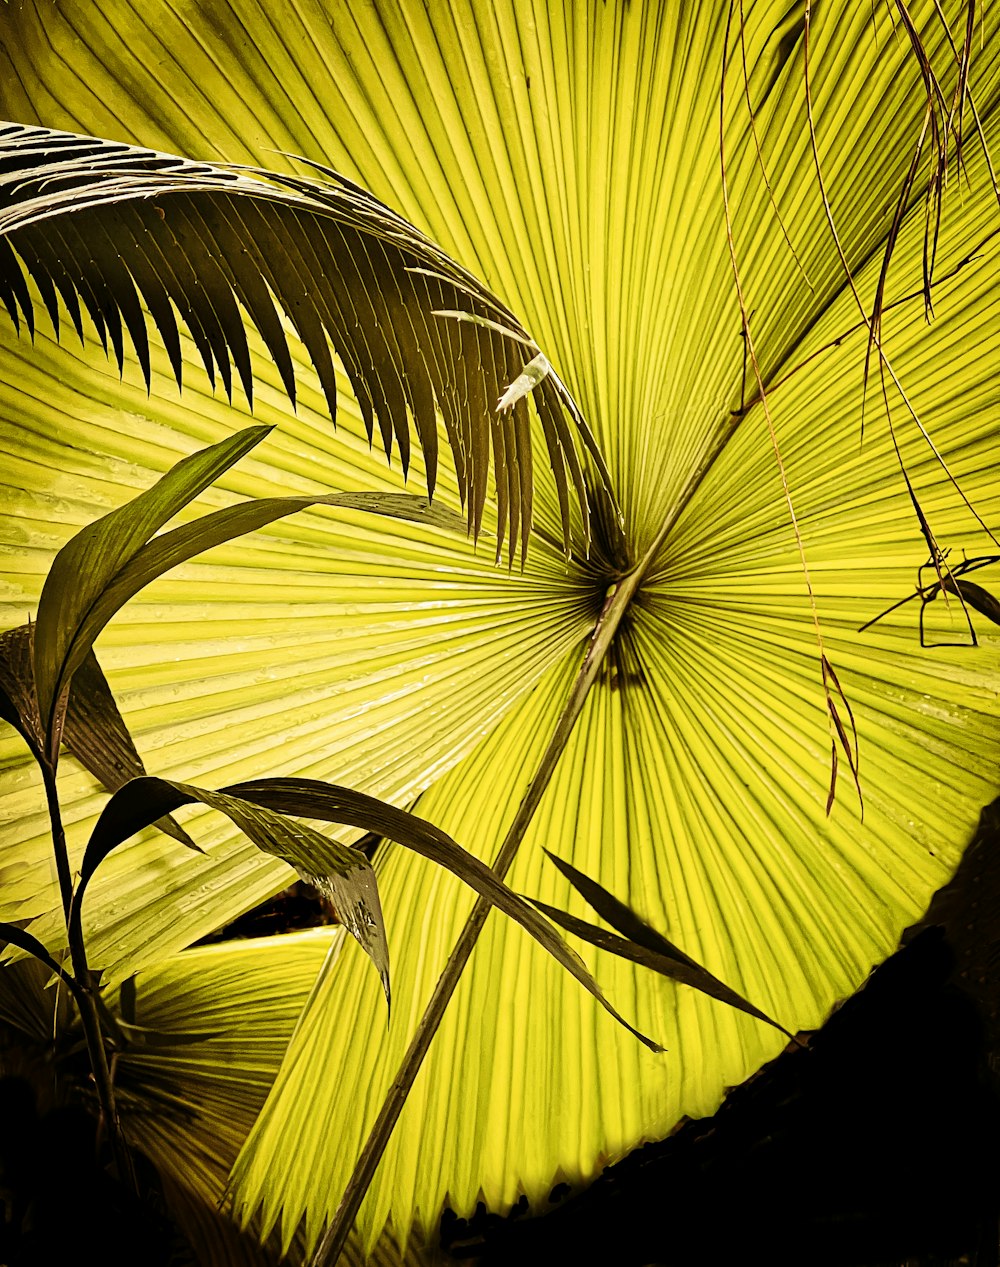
(874, 1146)
(61, 1204)
(298, 907)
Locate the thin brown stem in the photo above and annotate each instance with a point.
(58, 839)
(333, 1241)
(614, 609)
(828, 674)
(874, 336)
(85, 993)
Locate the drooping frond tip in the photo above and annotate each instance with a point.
(129, 234)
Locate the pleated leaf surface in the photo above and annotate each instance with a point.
(568, 155)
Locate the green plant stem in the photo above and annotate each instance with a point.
(85, 994)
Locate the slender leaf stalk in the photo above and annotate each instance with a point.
(615, 607)
(332, 1244)
(84, 994)
(58, 837)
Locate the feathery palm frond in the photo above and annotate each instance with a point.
(131, 234)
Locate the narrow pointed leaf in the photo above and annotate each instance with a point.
(180, 544)
(618, 915)
(342, 874)
(25, 941)
(475, 319)
(673, 963)
(94, 731)
(81, 572)
(18, 702)
(311, 799)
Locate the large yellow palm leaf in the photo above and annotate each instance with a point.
(570, 156)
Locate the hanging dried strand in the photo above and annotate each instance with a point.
(872, 320)
(843, 730)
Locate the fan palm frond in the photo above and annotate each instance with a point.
(579, 159)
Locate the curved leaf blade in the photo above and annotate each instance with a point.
(188, 540)
(311, 798)
(94, 731)
(111, 560)
(675, 965)
(67, 624)
(342, 874)
(25, 941)
(18, 701)
(619, 916)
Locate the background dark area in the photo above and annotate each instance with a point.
(874, 1146)
(61, 1206)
